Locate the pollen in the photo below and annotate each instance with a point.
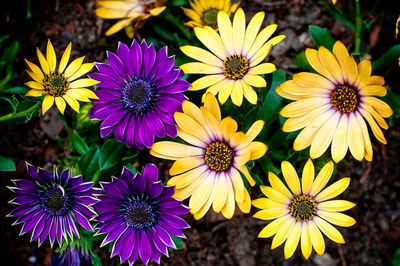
(235, 67)
(303, 207)
(55, 84)
(219, 156)
(344, 99)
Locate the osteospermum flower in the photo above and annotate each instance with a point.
(60, 84)
(332, 106)
(234, 66)
(304, 211)
(207, 170)
(50, 204)
(72, 256)
(139, 91)
(139, 215)
(128, 12)
(205, 12)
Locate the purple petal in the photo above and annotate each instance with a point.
(122, 186)
(39, 226)
(21, 210)
(155, 189)
(72, 224)
(146, 135)
(174, 221)
(164, 117)
(86, 210)
(157, 242)
(104, 132)
(136, 58)
(154, 124)
(46, 230)
(180, 210)
(82, 220)
(53, 229)
(155, 255)
(44, 175)
(168, 79)
(139, 183)
(107, 216)
(135, 252)
(65, 175)
(119, 130)
(25, 199)
(113, 119)
(138, 141)
(128, 245)
(170, 203)
(108, 71)
(168, 191)
(171, 130)
(163, 63)
(112, 190)
(117, 65)
(119, 243)
(150, 173)
(170, 229)
(105, 81)
(124, 54)
(127, 175)
(109, 226)
(164, 236)
(144, 247)
(130, 132)
(149, 57)
(107, 96)
(101, 111)
(113, 234)
(25, 184)
(178, 86)
(30, 224)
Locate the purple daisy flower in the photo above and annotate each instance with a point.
(139, 92)
(50, 204)
(72, 257)
(139, 214)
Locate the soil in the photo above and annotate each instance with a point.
(375, 186)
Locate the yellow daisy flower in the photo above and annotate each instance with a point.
(332, 106)
(207, 170)
(60, 84)
(304, 211)
(205, 12)
(128, 11)
(234, 67)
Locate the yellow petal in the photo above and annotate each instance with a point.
(206, 81)
(355, 138)
(265, 48)
(322, 178)
(283, 233)
(60, 104)
(201, 55)
(43, 62)
(198, 215)
(373, 80)
(81, 83)
(225, 30)
(257, 150)
(185, 164)
(211, 40)
(73, 67)
(263, 68)
(252, 30)
(305, 243)
(77, 94)
(329, 230)
(202, 193)
(88, 93)
(324, 136)
(255, 80)
(213, 125)
(229, 209)
(47, 103)
(245, 206)
(65, 59)
(373, 90)
(307, 177)
(228, 126)
(249, 93)
(261, 54)
(37, 78)
(316, 238)
(226, 87)
(364, 70)
(351, 69)
(185, 179)
(335, 205)
(194, 112)
(291, 178)
(254, 130)
(264, 203)
(237, 93)
(374, 127)
(299, 122)
(239, 28)
(303, 106)
(311, 80)
(333, 190)
(190, 126)
(246, 173)
(341, 54)
(51, 56)
(119, 25)
(331, 64)
(200, 68)
(274, 194)
(176, 150)
(380, 106)
(337, 218)
(238, 185)
(271, 213)
(340, 143)
(221, 193)
(313, 58)
(34, 93)
(35, 69)
(211, 104)
(72, 102)
(34, 85)
(273, 227)
(84, 69)
(189, 138)
(379, 119)
(368, 152)
(292, 240)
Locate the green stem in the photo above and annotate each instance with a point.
(358, 28)
(19, 114)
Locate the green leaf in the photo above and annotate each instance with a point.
(396, 258)
(272, 103)
(321, 37)
(302, 62)
(177, 2)
(79, 143)
(111, 154)
(15, 90)
(7, 164)
(389, 58)
(89, 163)
(393, 100)
(10, 52)
(178, 242)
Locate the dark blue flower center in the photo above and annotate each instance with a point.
(55, 201)
(138, 95)
(140, 214)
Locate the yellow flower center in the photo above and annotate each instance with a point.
(344, 99)
(303, 207)
(219, 156)
(235, 67)
(210, 17)
(55, 84)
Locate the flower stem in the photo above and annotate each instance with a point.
(358, 28)
(19, 114)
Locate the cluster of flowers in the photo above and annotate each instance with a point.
(140, 96)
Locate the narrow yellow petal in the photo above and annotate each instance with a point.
(335, 205)
(228, 126)
(201, 194)
(312, 80)
(324, 136)
(65, 59)
(274, 194)
(246, 173)
(177, 150)
(77, 94)
(245, 206)
(35, 69)
(229, 209)
(84, 69)
(264, 203)
(252, 30)
(341, 54)
(237, 93)
(201, 55)
(329, 230)
(81, 83)
(261, 54)
(331, 64)
(374, 127)
(351, 69)
(73, 67)
(299, 122)
(322, 178)
(263, 68)
(277, 184)
(37, 78)
(194, 112)
(379, 119)
(185, 164)
(238, 186)
(189, 138)
(225, 89)
(368, 152)
(257, 150)
(48, 101)
(271, 213)
(254, 130)
(60, 104)
(373, 90)
(333, 190)
(206, 81)
(211, 40)
(188, 177)
(380, 106)
(34, 85)
(255, 80)
(51, 56)
(34, 93)
(355, 138)
(304, 106)
(226, 32)
(43, 62)
(239, 28)
(291, 177)
(211, 104)
(283, 233)
(72, 102)
(200, 68)
(313, 58)
(364, 71)
(316, 238)
(119, 25)
(213, 125)
(340, 143)
(337, 218)
(190, 126)
(186, 191)
(307, 177)
(221, 193)
(292, 240)
(305, 242)
(249, 93)
(273, 227)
